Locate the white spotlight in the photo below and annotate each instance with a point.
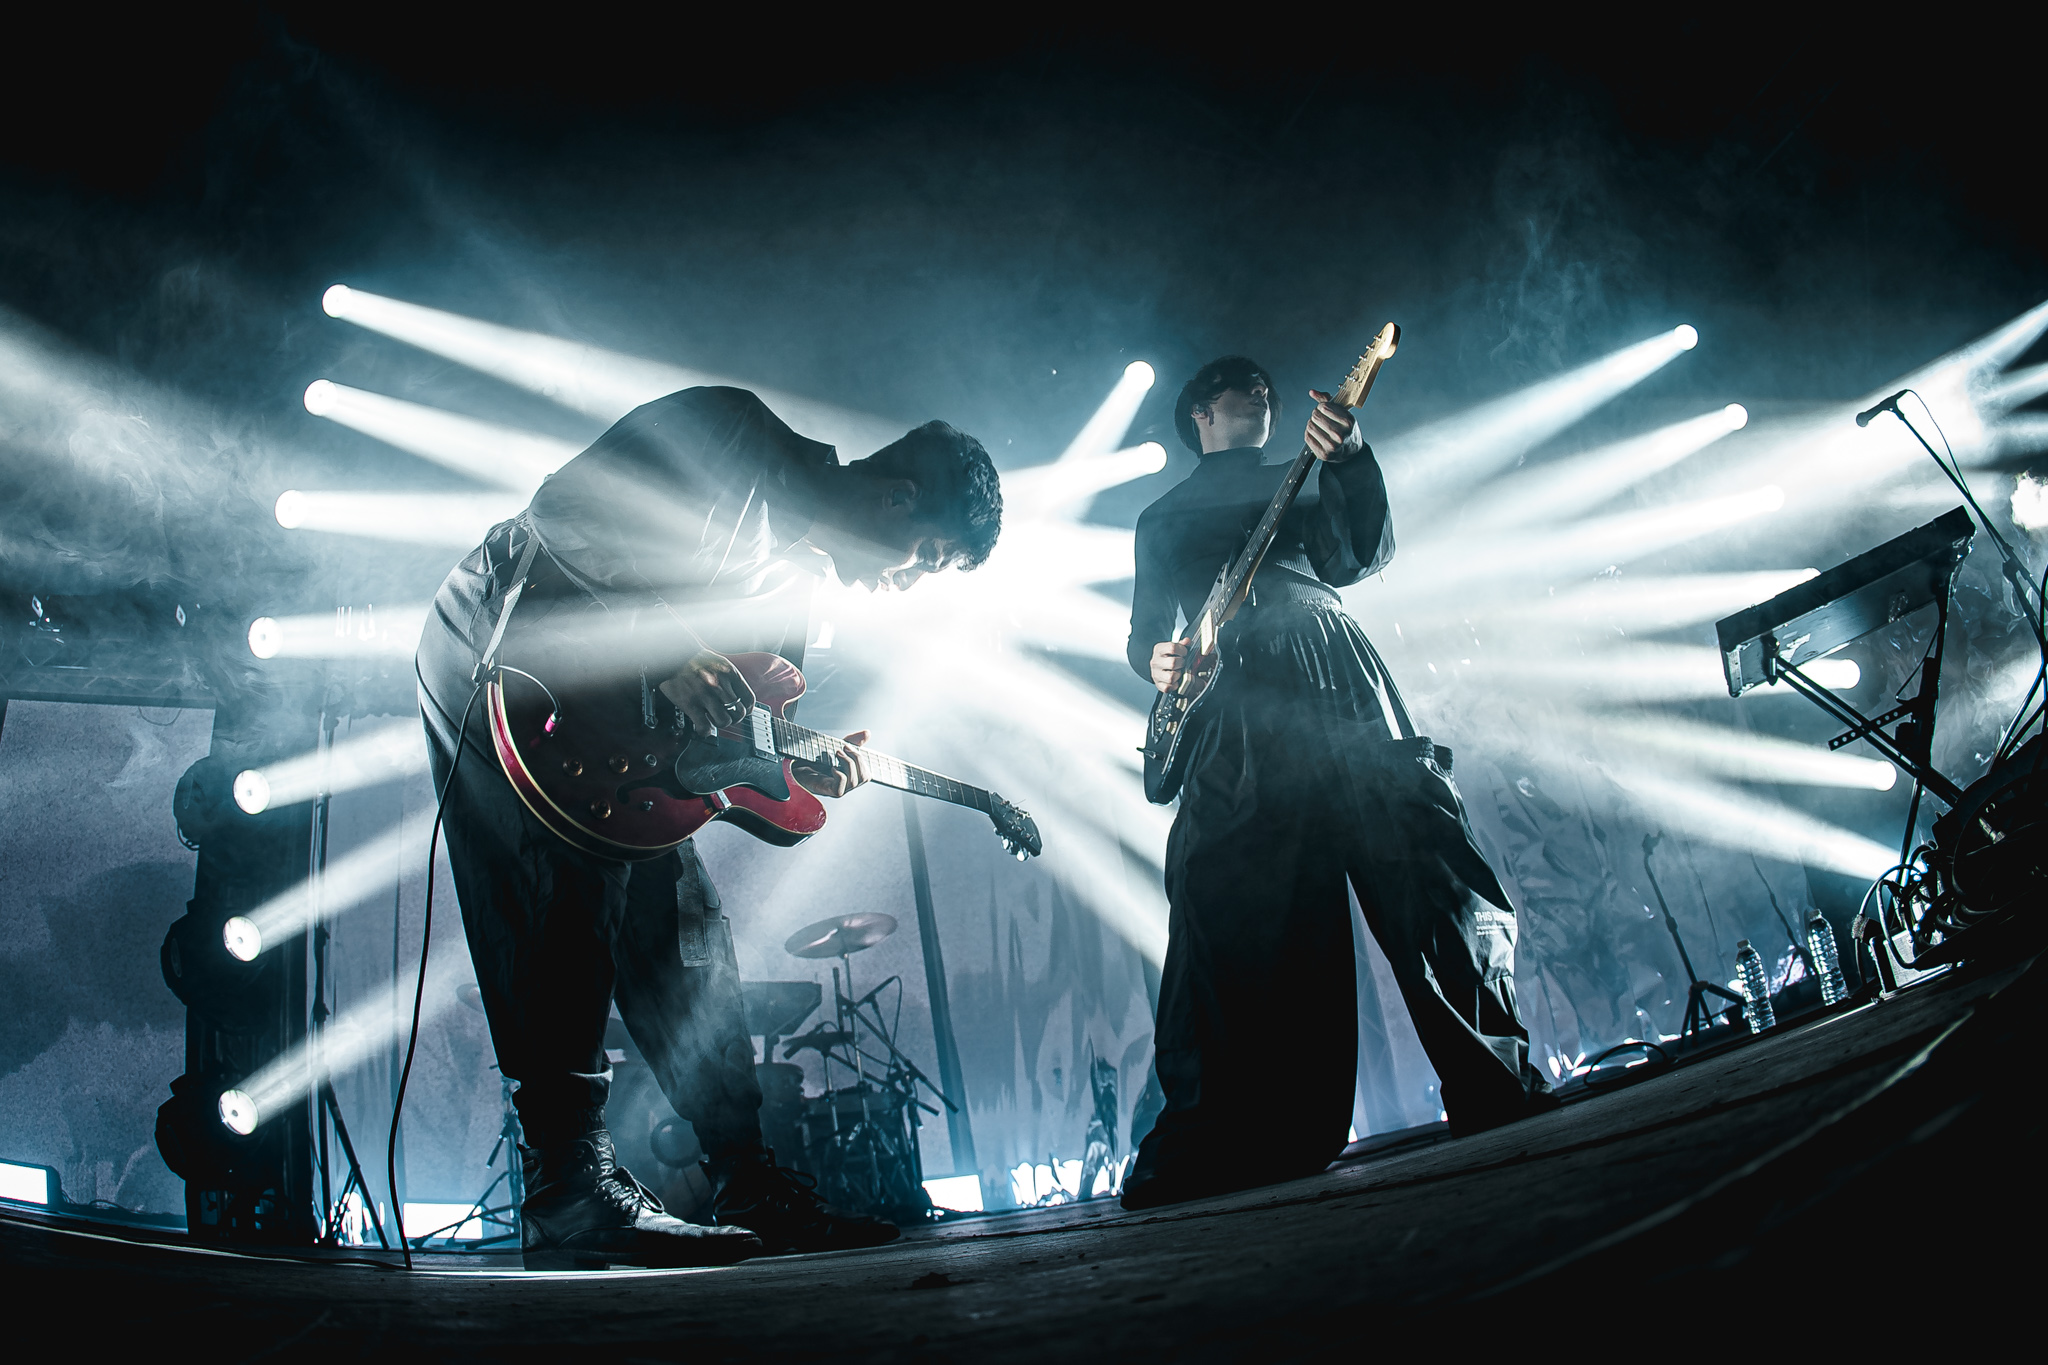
(320, 397)
(1139, 372)
(1686, 335)
(335, 301)
(291, 509)
(1837, 675)
(242, 939)
(2030, 503)
(252, 791)
(238, 1112)
(1738, 416)
(265, 635)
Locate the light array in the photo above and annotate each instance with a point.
(1523, 582)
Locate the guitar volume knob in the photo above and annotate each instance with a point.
(573, 766)
(620, 764)
(601, 809)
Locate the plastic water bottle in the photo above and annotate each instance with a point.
(1827, 960)
(1756, 986)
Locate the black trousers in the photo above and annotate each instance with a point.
(556, 935)
(1296, 788)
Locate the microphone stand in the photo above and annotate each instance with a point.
(2015, 569)
(1698, 1018)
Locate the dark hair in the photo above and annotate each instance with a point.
(1209, 384)
(956, 480)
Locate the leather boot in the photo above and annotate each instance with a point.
(584, 1211)
(782, 1206)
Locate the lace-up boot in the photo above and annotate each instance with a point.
(584, 1211)
(782, 1206)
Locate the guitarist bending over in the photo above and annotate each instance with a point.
(698, 519)
(1302, 772)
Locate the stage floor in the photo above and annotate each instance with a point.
(1747, 1182)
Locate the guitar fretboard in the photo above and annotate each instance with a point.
(1230, 588)
(794, 741)
(1247, 562)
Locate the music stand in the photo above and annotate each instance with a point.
(1698, 1018)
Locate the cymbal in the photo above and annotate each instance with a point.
(821, 1038)
(840, 935)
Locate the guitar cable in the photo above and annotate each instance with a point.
(419, 989)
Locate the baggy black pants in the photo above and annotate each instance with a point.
(1288, 799)
(556, 935)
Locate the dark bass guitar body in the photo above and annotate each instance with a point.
(613, 768)
(1176, 711)
(1174, 716)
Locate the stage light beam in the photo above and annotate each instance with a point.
(368, 870)
(421, 518)
(1657, 602)
(589, 379)
(1572, 485)
(482, 450)
(1100, 433)
(382, 754)
(345, 632)
(1744, 821)
(1740, 755)
(1050, 490)
(361, 1031)
(1443, 458)
(1449, 565)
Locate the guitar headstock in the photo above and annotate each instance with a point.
(1358, 383)
(1019, 832)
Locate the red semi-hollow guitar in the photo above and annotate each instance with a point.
(610, 765)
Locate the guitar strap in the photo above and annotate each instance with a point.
(490, 655)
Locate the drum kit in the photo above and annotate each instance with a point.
(859, 1139)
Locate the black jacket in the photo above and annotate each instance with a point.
(1337, 532)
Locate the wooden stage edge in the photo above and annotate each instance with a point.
(1872, 1174)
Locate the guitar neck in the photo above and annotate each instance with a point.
(1229, 591)
(1231, 586)
(795, 741)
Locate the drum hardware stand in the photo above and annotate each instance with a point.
(1698, 1018)
(513, 1177)
(882, 1109)
(860, 1076)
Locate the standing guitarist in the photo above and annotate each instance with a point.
(1301, 773)
(691, 529)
